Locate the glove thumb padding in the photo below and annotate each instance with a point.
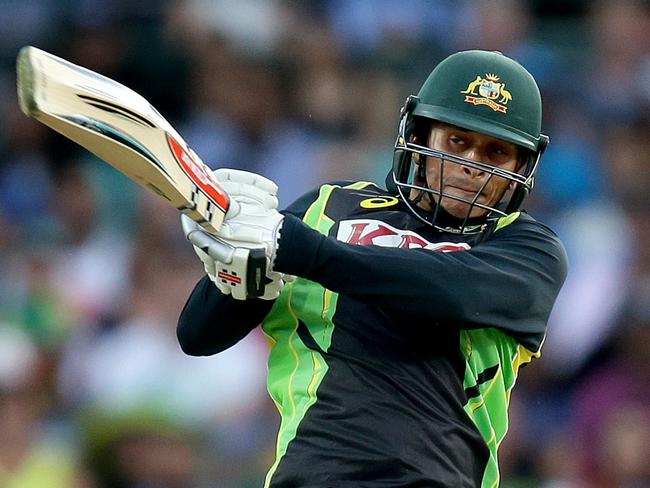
(234, 209)
(209, 264)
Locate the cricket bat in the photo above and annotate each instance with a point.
(122, 128)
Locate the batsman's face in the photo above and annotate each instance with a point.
(462, 181)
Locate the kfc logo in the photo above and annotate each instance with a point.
(373, 232)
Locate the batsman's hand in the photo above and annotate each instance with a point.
(252, 222)
(230, 277)
(253, 215)
(247, 187)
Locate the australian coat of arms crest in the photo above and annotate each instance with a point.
(488, 91)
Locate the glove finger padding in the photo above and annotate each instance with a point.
(245, 193)
(224, 175)
(246, 177)
(242, 233)
(254, 223)
(247, 187)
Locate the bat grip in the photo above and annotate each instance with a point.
(221, 251)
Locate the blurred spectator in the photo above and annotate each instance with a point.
(37, 20)
(140, 449)
(364, 26)
(626, 148)
(24, 163)
(89, 270)
(508, 26)
(611, 418)
(134, 363)
(31, 456)
(236, 120)
(251, 26)
(603, 241)
(621, 38)
(601, 248)
(151, 369)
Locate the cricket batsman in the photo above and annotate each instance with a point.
(398, 318)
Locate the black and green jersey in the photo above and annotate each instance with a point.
(394, 353)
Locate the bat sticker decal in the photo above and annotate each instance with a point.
(198, 174)
(112, 133)
(116, 109)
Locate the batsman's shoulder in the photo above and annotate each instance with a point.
(353, 187)
(523, 222)
(526, 232)
(339, 187)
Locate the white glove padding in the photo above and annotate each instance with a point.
(252, 219)
(233, 276)
(253, 223)
(247, 187)
(252, 216)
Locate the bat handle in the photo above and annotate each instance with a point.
(221, 251)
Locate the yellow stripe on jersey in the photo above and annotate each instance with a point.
(507, 220)
(290, 357)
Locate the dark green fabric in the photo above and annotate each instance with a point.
(486, 92)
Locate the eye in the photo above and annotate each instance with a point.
(456, 140)
(500, 154)
(502, 150)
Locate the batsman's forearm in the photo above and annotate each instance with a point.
(212, 322)
(510, 283)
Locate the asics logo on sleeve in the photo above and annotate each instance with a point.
(365, 232)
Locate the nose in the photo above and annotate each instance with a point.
(473, 154)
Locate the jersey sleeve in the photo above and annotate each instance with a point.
(509, 281)
(212, 322)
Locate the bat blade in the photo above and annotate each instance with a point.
(122, 128)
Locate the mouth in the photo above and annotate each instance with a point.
(470, 192)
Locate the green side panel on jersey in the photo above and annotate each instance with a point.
(493, 359)
(295, 371)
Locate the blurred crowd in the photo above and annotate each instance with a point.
(94, 390)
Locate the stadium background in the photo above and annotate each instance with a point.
(94, 391)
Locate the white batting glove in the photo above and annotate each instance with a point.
(252, 216)
(247, 187)
(254, 224)
(231, 278)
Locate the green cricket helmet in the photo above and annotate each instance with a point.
(480, 91)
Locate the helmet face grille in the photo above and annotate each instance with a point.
(479, 91)
(428, 203)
